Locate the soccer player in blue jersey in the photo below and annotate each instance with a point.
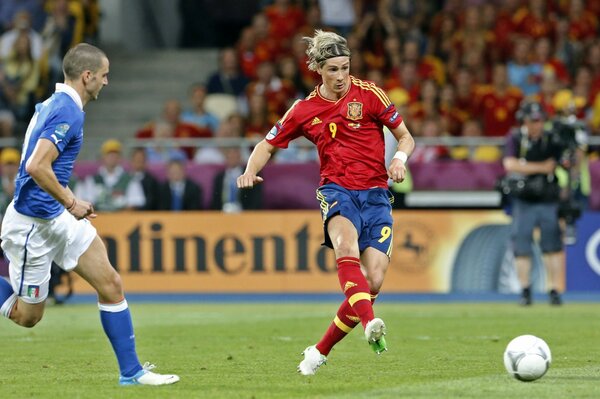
(46, 223)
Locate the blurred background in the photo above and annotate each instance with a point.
(194, 84)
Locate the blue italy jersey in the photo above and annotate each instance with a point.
(60, 120)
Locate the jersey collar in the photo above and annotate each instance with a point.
(63, 88)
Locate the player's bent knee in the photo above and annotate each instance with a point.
(112, 287)
(27, 321)
(375, 276)
(375, 281)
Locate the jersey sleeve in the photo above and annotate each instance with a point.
(61, 126)
(286, 129)
(383, 109)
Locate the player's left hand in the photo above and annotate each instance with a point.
(82, 210)
(397, 170)
(248, 180)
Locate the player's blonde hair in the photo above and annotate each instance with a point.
(323, 46)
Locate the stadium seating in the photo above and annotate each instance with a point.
(221, 105)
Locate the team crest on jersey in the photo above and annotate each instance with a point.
(355, 110)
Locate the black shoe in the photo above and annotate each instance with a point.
(555, 298)
(526, 297)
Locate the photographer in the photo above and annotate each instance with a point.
(531, 156)
(573, 175)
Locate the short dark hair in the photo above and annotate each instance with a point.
(83, 57)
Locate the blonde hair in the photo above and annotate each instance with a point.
(323, 46)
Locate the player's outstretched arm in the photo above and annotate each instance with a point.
(257, 161)
(406, 145)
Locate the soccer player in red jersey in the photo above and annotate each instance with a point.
(344, 116)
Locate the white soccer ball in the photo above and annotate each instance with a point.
(527, 357)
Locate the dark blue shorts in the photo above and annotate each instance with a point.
(526, 217)
(370, 211)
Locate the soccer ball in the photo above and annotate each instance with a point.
(527, 357)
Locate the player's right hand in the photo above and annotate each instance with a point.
(83, 210)
(248, 180)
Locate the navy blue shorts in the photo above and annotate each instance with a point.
(370, 211)
(526, 217)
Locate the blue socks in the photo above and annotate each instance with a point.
(7, 297)
(116, 321)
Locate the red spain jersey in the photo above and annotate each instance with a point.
(348, 133)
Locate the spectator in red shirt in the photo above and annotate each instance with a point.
(309, 78)
(592, 61)
(583, 25)
(533, 20)
(246, 48)
(428, 66)
(312, 21)
(277, 91)
(543, 55)
(259, 120)
(441, 42)
(504, 27)
(498, 104)
(285, 19)
(465, 91)
(474, 35)
(427, 107)
(548, 88)
(267, 46)
(451, 117)
(474, 61)
(407, 79)
(582, 88)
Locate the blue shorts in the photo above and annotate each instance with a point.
(526, 217)
(370, 211)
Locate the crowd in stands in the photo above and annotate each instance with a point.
(34, 37)
(456, 68)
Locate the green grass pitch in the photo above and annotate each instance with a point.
(252, 350)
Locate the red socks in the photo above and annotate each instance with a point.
(357, 308)
(355, 288)
(344, 321)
